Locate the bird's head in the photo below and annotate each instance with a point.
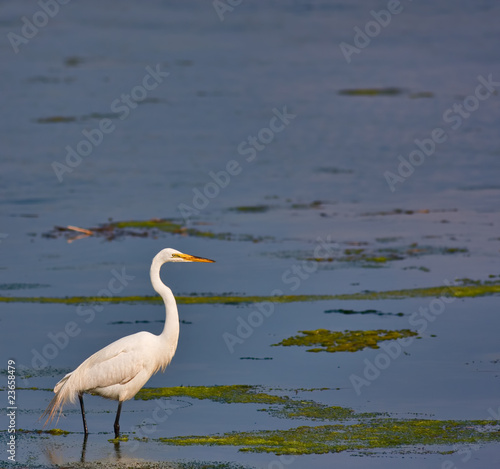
(172, 255)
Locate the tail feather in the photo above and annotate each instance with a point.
(63, 394)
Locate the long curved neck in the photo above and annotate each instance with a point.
(171, 328)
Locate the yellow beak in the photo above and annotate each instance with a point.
(190, 258)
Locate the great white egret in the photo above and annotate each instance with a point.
(121, 369)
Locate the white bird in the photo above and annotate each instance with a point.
(121, 369)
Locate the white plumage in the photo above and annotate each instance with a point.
(121, 369)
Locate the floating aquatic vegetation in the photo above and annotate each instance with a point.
(366, 256)
(73, 61)
(26, 373)
(56, 119)
(366, 311)
(200, 465)
(389, 434)
(311, 410)
(457, 291)
(348, 430)
(482, 288)
(251, 208)
(334, 170)
(53, 431)
(362, 254)
(238, 393)
(280, 406)
(400, 211)
(56, 431)
(256, 358)
(477, 283)
(117, 439)
(140, 321)
(315, 204)
(142, 228)
(68, 119)
(414, 267)
(352, 431)
(348, 341)
(22, 286)
(50, 79)
(390, 91)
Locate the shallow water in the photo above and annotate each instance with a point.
(320, 177)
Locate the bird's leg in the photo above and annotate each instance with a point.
(84, 448)
(117, 420)
(85, 431)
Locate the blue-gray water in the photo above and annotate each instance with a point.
(322, 172)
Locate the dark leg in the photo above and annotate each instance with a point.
(84, 448)
(117, 420)
(85, 431)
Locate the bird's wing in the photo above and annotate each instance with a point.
(118, 363)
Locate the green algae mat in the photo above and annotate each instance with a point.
(348, 341)
(469, 289)
(346, 430)
(388, 434)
